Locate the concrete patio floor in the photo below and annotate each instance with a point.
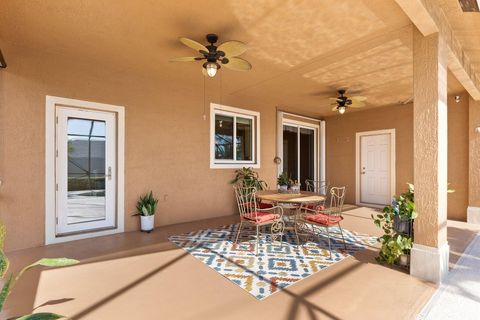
(138, 276)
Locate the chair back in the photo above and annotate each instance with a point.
(318, 186)
(246, 200)
(337, 197)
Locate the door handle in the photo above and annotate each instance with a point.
(109, 173)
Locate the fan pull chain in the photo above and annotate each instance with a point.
(221, 95)
(204, 100)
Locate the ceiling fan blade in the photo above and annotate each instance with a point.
(232, 48)
(193, 44)
(358, 98)
(185, 59)
(334, 99)
(238, 64)
(357, 105)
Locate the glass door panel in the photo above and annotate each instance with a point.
(290, 151)
(300, 152)
(307, 156)
(86, 170)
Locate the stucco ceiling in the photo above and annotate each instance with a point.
(301, 51)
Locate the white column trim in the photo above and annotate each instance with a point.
(429, 263)
(473, 215)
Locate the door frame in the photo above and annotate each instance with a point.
(393, 167)
(319, 140)
(51, 103)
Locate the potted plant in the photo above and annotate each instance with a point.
(395, 249)
(146, 207)
(403, 211)
(249, 178)
(396, 220)
(295, 186)
(283, 180)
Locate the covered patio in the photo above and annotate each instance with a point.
(108, 114)
(135, 273)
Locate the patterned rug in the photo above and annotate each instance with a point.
(276, 266)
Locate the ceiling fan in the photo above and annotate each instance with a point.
(225, 54)
(342, 102)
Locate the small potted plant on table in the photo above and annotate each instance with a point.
(146, 207)
(295, 186)
(283, 180)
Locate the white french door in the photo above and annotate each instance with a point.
(300, 151)
(376, 169)
(86, 172)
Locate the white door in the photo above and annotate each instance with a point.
(375, 187)
(85, 170)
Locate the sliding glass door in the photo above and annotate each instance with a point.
(300, 155)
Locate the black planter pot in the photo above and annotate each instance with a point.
(403, 226)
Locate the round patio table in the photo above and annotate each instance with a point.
(291, 201)
(304, 197)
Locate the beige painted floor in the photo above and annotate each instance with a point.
(143, 276)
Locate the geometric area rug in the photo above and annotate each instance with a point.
(276, 266)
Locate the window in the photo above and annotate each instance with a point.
(234, 140)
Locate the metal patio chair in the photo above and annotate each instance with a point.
(327, 217)
(320, 187)
(252, 214)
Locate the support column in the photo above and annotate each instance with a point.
(473, 212)
(429, 256)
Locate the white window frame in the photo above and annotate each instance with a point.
(235, 112)
(50, 170)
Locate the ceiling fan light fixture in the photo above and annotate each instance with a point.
(342, 109)
(211, 68)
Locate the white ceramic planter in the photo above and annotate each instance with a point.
(283, 188)
(403, 261)
(147, 223)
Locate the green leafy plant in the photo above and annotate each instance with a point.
(283, 179)
(395, 244)
(147, 205)
(403, 205)
(249, 178)
(10, 281)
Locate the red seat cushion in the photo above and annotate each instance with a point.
(324, 219)
(260, 205)
(261, 217)
(315, 206)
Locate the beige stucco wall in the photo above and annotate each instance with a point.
(340, 143)
(458, 157)
(167, 141)
(474, 153)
